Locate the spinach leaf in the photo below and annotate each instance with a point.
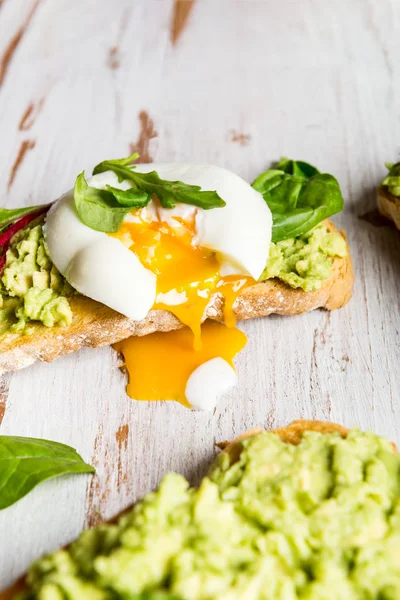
(26, 462)
(297, 167)
(98, 209)
(299, 197)
(168, 192)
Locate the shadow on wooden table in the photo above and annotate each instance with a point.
(380, 233)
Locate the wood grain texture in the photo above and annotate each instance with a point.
(296, 83)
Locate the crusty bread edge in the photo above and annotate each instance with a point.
(291, 434)
(96, 325)
(389, 205)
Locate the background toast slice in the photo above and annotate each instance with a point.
(389, 205)
(291, 434)
(95, 325)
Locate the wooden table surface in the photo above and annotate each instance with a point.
(237, 83)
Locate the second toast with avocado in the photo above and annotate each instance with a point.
(290, 513)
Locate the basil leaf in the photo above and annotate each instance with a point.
(168, 192)
(98, 209)
(132, 197)
(297, 167)
(298, 203)
(26, 462)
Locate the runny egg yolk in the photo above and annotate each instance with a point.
(187, 277)
(160, 364)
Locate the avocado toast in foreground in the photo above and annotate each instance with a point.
(311, 511)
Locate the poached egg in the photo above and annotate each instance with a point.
(171, 259)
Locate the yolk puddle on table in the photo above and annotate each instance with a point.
(160, 364)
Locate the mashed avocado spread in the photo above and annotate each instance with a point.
(392, 180)
(306, 261)
(316, 521)
(31, 288)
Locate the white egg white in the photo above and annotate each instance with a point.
(96, 264)
(241, 231)
(103, 268)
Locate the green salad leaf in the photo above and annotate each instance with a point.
(167, 192)
(26, 462)
(133, 198)
(297, 167)
(104, 210)
(299, 197)
(392, 180)
(10, 215)
(98, 209)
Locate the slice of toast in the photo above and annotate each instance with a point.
(388, 205)
(291, 434)
(95, 325)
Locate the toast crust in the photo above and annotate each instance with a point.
(291, 434)
(389, 205)
(95, 325)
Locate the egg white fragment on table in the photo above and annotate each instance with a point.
(209, 382)
(102, 268)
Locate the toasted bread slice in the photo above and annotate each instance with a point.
(95, 325)
(389, 205)
(291, 434)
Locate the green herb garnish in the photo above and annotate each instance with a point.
(104, 210)
(167, 192)
(299, 197)
(100, 209)
(8, 216)
(26, 462)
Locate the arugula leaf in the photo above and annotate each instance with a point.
(117, 164)
(392, 180)
(299, 197)
(168, 192)
(98, 209)
(132, 197)
(26, 462)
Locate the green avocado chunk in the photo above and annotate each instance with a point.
(306, 261)
(392, 180)
(309, 522)
(31, 288)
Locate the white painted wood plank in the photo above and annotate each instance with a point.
(294, 82)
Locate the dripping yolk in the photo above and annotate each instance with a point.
(187, 275)
(160, 364)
